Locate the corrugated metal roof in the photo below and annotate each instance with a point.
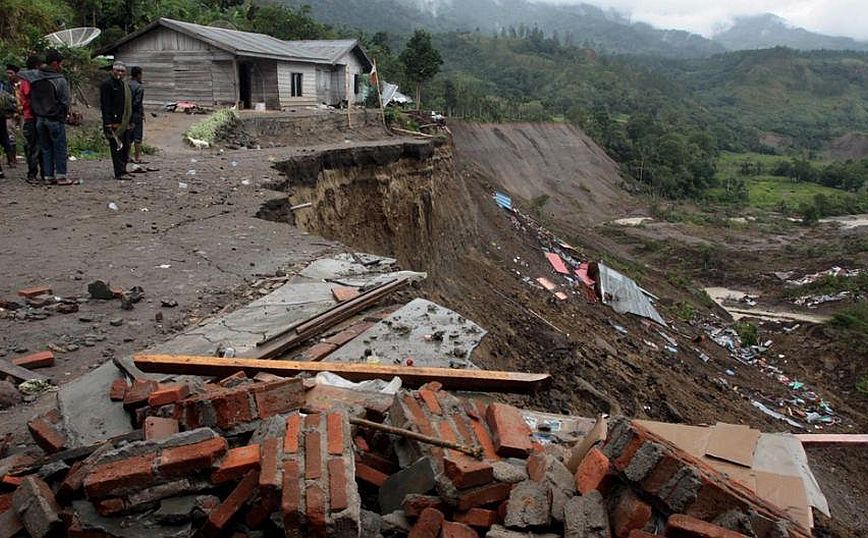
(246, 43)
(624, 295)
(331, 49)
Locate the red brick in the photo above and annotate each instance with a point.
(5, 501)
(12, 481)
(110, 478)
(510, 433)
(337, 485)
(343, 293)
(683, 526)
(187, 459)
(43, 359)
(667, 466)
(415, 503)
(377, 462)
(109, 507)
(232, 408)
(237, 463)
(137, 394)
(219, 518)
(35, 291)
(312, 421)
(642, 534)
(312, 455)
(593, 472)
(434, 386)
(714, 499)
(417, 415)
(238, 378)
(477, 517)
(428, 525)
(370, 475)
(315, 511)
(317, 352)
(46, 435)
(290, 495)
(278, 396)
(481, 496)
(118, 390)
(361, 443)
(431, 401)
(484, 439)
(166, 394)
(290, 440)
(269, 473)
(466, 472)
(452, 529)
(628, 513)
(465, 432)
(156, 428)
(335, 423)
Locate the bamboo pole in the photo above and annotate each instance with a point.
(476, 452)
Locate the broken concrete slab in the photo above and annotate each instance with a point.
(134, 525)
(83, 403)
(427, 333)
(416, 478)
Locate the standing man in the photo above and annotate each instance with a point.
(8, 110)
(138, 90)
(49, 101)
(28, 120)
(116, 103)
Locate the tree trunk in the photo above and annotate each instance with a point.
(419, 95)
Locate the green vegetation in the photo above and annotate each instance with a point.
(421, 61)
(209, 129)
(685, 311)
(850, 326)
(747, 332)
(831, 284)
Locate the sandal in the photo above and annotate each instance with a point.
(65, 181)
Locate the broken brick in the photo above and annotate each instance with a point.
(233, 380)
(118, 476)
(430, 400)
(477, 517)
(291, 495)
(35, 291)
(370, 475)
(415, 503)
(42, 359)
(109, 507)
(118, 390)
(344, 293)
(269, 469)
(137, 394)
(481, 496)
(593, 472)
(278, 397)
(466, 472)
(183, 460)
(628, 513)
(219, 518)
(168, 394)
(510, 433)
(290, 440)
(46, 435)
(428, 525)
(376, 461)
(237, 462)
(36, 507)
(335, 427)
(232, 408)
(684, 526)
(453, 529)
(315, 511)
(156, 428)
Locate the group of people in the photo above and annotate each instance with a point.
(37, 99)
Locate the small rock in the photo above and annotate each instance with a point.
(168, 303)
(117, 322)
(99, 289)
(9, 395)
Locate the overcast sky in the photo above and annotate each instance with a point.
(834, 17)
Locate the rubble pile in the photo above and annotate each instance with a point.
(269, 456)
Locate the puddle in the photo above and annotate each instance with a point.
(725, 297)
(848, 222)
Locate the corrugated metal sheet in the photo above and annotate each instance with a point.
(624, 295)
(503, 200)
(330, 49)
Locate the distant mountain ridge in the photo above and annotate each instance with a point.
(768, 30)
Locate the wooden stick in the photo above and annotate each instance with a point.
(412, 376)
(476, 452)
(826, 439)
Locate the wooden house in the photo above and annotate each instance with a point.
(219, 66)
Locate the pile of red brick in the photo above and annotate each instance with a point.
(269, 456)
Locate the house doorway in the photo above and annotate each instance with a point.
(244, 84)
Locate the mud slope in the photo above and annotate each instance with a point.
(531, 160)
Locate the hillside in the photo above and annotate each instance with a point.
(576, 24)
(768, 31)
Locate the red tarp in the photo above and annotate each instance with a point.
(557, 263)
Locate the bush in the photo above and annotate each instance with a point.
(747, 332)
(206, 132)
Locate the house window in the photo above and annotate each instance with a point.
(356, 83)
(295, 90)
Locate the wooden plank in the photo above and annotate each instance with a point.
(451, 378)
(19, 373)
(828, 439)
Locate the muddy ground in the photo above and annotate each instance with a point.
(202, 245)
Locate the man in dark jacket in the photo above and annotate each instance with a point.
(116, 103)
(49, 100)
(138, 90)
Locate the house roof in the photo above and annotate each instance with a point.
(254, 45)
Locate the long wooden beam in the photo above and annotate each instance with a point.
(827, 439)
(451, 378)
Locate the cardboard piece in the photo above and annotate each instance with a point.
(733, 443)
(785, 492)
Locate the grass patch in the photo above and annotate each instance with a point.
(208, 130)
(830, 284)
(685, 311)
(747, 332)
(89, 143)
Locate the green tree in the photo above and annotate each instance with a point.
(421, 61)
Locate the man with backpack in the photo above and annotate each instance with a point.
(49, 100)
(26, 118)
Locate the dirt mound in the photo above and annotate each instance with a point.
(554, 167)
(849, 146)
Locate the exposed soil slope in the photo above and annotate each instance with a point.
(558, 161)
